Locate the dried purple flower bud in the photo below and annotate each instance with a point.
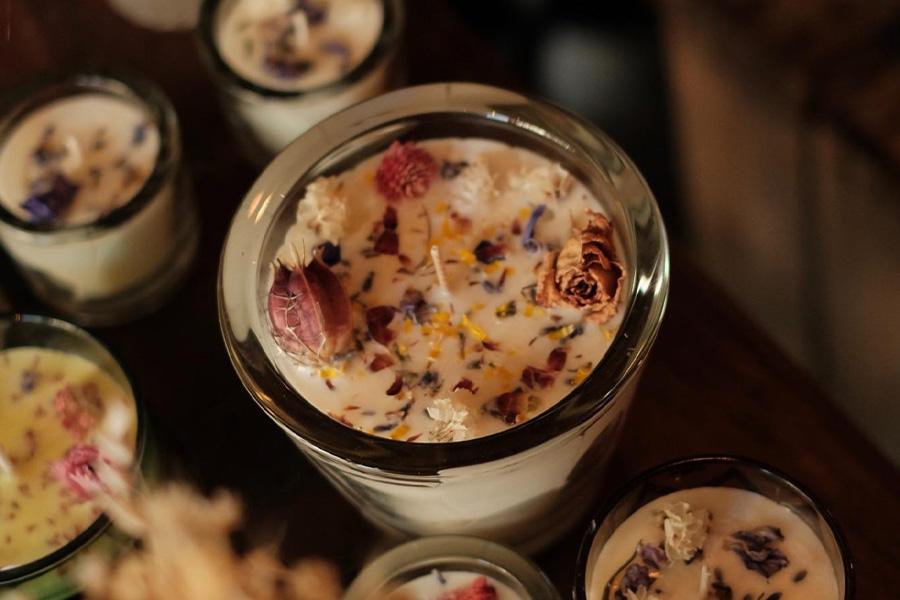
(654, 556)
(310, 312)
(50, 199)
(756, 550)
(636, 576)
(528, 240)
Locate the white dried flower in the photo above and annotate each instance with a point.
(546, 181)
(323, 209)
(449, 421)
(685, 530)
(473, 187)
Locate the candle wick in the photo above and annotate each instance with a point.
(439, 269)
(6, 467)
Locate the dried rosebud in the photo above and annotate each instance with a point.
(585, 274)
(406, 171)
(480, 589)
(75, 471)
(377, 320)
(310, 312)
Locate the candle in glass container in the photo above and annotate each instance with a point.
(59, 413)
(453, 585)
(91, 207)
(713, 542)
(287, 64)
(444, 291)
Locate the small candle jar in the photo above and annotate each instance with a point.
(717, 525)
(527, 473)
(441, 566)
(282, 66)
(94, 209)
(59, 387)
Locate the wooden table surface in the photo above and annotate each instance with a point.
(713, 384)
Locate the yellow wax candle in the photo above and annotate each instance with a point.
(52, 405)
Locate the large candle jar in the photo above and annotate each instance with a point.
(448, 567)
(283, 65)
(444, 296)
(66, 405)
(714, 526)
(94, 209)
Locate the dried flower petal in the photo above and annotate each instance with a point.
(533, 377)
(509, 406)
(480, 589)
(310, 312)
(487, 252)
(449, 421)
(50, 199)
(381, 361)
(528, 240)
(377, 320)
(557, 359)
(406, 171)
(396, 386)
(76, 472)
(757, 552)
(636, 577)
(465, 384)
(585, 274)
(685, 530)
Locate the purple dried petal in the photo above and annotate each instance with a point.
(636, 576)
(528, 240)
(335, 47)
(28, 381)
(760, 536)
(756, 551)
(653, 556)
(50, 201)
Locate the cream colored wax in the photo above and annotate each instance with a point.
(50, 403)
(449, 585)
(450, 367)
(804, 569)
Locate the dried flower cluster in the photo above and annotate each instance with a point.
(186, 552)
(685, 529)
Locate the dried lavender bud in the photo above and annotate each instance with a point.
(528, 240)
(50, 198)
(310, 312)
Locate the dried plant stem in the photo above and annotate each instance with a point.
(439, 269)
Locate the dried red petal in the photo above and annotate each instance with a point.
(388, 242)
(71, 413)
(533, 377)
(377, 319)
(480, 589)
(465, 384)
(509, 406)
(75, 473)
(381, 361)
(389, 219)
(396, 386)
(557, 359)
(490, 345)
(406, 171)
(487, 252)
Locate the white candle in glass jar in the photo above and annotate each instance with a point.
(292, 61)
(451, 585)
(714, 542)
(92, 209)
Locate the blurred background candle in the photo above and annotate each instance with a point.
(283, 65)
(91, 205)
(68, 413)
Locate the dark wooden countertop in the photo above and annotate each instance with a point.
(713, 384)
